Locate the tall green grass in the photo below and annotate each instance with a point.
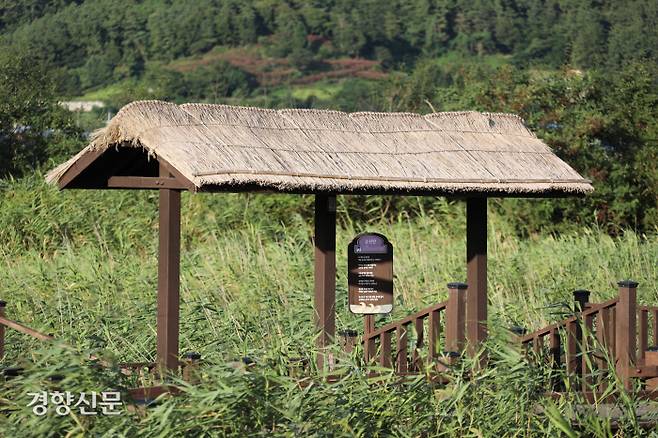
(82, 265)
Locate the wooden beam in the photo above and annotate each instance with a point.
(476, 273)
(174, 173)
(24, 329)
(168, 277)
(78, 166)
(144, 182)
(325, 273)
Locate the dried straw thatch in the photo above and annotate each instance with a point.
(219, 147)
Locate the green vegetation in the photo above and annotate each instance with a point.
(82, 265)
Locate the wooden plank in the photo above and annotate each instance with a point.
(417, 357)
(625, 331)
(144, 182)
(401, 349)
(654, 314)
(612, 333)
(572, 348)
(385, 350)
(476, 272)
(586, 357)
(554, 341)
(325, 273)
(644, 334)
(168, 278)
(603, 337)
(434, 334)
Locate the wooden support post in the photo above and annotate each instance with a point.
(455, 316)
(325, 274)
(476, 273)
(625, 331)
(168, 278)
(3, 305)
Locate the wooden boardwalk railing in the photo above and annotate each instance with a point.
(4, 322)
(188, 365)
(597, 336)
(425, 328)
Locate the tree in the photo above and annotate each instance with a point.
(33, 127)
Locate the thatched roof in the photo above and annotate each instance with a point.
(220, 147)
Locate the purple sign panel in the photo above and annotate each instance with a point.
(370, 274)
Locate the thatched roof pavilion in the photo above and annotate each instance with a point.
(220, 148)
(224, 148)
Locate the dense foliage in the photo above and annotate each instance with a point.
(33, 128)
(100, 41)
(82, 265)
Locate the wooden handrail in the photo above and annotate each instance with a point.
(25, 329)
(592, 310)
(408, 320)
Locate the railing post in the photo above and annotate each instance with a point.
(402, 364)
(455, 317)
(580, 301)
(369, 345)
(3, 305)
(348, 340)
(625, 330)
(190, 367)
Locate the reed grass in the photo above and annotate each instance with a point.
(83, 266)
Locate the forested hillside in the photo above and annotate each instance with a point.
(97, 42)
(582, 73)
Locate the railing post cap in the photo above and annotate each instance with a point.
(628, 283)
(458, 286)
(348, 333)
(581, 292)
(192, 355)
(3, 303)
